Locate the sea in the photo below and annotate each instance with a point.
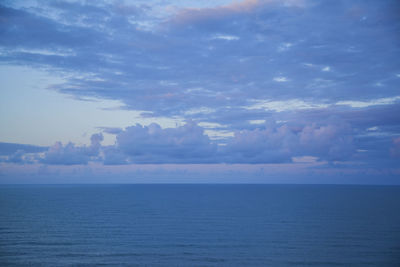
(199, 225)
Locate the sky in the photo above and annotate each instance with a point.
(252, 91)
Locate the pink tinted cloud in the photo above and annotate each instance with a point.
(395, 149)
(192, 15)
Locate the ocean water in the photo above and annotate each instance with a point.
(199, 225)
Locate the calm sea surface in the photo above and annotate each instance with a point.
(200, 225)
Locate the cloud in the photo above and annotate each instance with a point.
(111, 130)
(372, 102)
(11, 148)
(226, 37)
(261, 146)
(196, 15)
(284, 105)
(65, 155)
(281, 79)
(210, 65)
(268, 143)
(152, 144)
(227, 73)
(326, 69)
(276, 143)
(39, 32)
(19, 153)
(114, 156)
(58, 154)
(19, 157)
(395, 149)
(331, 142)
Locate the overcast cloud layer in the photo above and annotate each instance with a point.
(255, 81)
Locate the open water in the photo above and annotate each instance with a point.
(199, 225)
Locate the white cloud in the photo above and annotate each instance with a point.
(47, 52)
(278, 106)
(201, 110)
(211, 125)
(225, 37)
(167, 83)
(374, 102)
(284, 47)
(280, 79)
(218, 134)
(304, 159)
(256, 121)
(326, 69)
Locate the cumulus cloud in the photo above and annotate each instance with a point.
(114, 156)
(152, 144)
(69, 154)
(270, 143)
(19, 153)
(282, 143)
(332, 142)
(19, 157)
(58, 154)
(95, 144)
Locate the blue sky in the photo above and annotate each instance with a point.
(290, 91)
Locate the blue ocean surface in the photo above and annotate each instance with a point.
(199, 225)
